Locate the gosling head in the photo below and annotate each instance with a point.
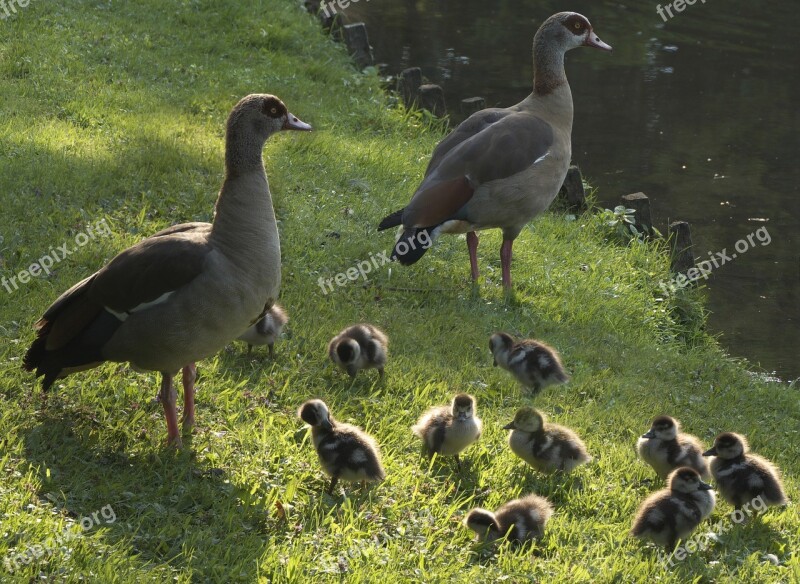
(483, 523)
(527, 419)
(728, 446)
(687, 480)
(463, 407)
(346, 353)
(315, 413)
(500, 345)
(663, 428)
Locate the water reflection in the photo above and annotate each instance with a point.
(700, 113)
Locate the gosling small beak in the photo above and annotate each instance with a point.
(295, 123)
(710, 452)
(510, 426)
(650, 434)
(462, 417)
(705, 486)
(594, 41)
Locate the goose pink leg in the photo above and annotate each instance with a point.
(472, 246)
(168, 397)
(189, 377)
(505, 262)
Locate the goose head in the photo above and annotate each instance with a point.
(568, 30)
(263, 115)
(728, 446)
(527, 419)
(500, 345)
(463, 407)
(663, 428)
(687, 480)
(315, 413)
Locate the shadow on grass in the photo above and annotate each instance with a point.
(160, 498)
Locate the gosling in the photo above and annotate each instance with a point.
(742, 477)
(675, 512)
(345, 452)
(546, 447)
(448, 430)
(518, 521)
(665, 448)
(534, 364)
(267, 330)
(361, 346)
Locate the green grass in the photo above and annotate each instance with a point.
(116, 112)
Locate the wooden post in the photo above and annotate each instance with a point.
(640, 203)
(573, 190)
(680, 236)
(357, 42)
(431, 98)
(408, 83)
(471, 105)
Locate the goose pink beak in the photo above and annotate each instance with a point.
(594, 41)
(295, 123)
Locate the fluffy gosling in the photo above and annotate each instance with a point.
(665, 448)
(345, 452)
(519, 520)
(448, 430)
(546, 447)
(267, 330)
(675, 512)
(742, 477)
(532, 363)
(361, 346)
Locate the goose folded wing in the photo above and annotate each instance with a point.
(499, 149)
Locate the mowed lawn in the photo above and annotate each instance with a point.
(114, 112)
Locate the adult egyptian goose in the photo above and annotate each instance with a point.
(500, 167)
(184, 293)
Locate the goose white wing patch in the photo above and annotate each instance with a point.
(144, 306)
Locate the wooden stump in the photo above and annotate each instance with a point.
(640, 203)
(471, 105)
(572, 189)
(408, 83)
(680, 236)
(431, 98)
(357, 42)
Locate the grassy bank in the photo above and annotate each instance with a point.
(115, 112)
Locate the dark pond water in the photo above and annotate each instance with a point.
(700, 113)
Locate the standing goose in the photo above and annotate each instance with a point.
(501, 167)
(184, 293)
